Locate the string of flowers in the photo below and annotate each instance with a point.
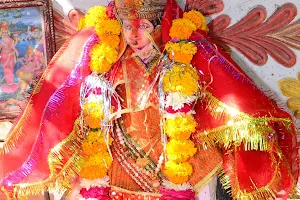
(180, 91)
(96, 93)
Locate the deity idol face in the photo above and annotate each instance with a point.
(5, 35)
(29, 57)
(134, 33)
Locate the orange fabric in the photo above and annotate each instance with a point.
(144, 128)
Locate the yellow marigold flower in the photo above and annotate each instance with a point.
(95, 142)
(104, 51)
(95, 135)
(181, 52)
(95, 15)
(182, 28)
(102, 58)
(108, 27)
(100, 66)
(186, 48)
(93, 114)
(180, 128)
(81, 24)
(96, 166)
(180, 150)
(110, 40)
(197, 18)
(178, 172)
(181, 79)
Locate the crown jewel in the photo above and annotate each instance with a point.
(140, 9)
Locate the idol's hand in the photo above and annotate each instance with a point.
(75, 16)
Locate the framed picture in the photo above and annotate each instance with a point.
(26, 46)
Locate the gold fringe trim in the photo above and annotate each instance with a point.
(53, 60)
(40, 82)
(294, 194)
(61, 174)
(16, 135)
(240, 128)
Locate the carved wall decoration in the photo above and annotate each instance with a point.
(290, 88)
(206, 7)
(256, 37)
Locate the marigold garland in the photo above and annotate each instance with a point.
(179, 101)
(181, 80)
(104, 54)
(183, 28)
(187, 48)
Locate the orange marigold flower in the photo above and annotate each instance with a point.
(197, 18)
(96, 166)
(92, 172)
(181, 52)
(110, 40)
(181, 57)
(182, 29)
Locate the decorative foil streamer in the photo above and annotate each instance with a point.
(98, 89)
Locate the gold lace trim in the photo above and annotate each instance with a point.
(253, 132)
(61, 174)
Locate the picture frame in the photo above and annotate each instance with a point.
(27, 44)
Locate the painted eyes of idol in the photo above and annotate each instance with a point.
(142, 26)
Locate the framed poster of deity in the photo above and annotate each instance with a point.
(26, 46)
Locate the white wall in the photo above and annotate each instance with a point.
(265, 76)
